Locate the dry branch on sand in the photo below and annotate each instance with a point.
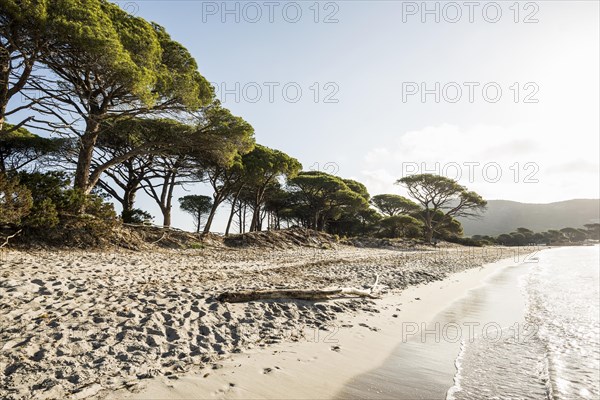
(298, 294)
(10, 237)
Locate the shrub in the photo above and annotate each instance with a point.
(400, 225)
(465, 241)
(137, 216)
(43, 215)
(15, 201)
(56, 216)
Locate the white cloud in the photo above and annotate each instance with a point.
(521, 162)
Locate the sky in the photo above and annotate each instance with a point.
(502, 96)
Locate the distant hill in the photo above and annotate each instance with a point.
(504, 216)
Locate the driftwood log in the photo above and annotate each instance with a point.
(299, 294)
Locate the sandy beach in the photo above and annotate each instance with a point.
(299, 200)
(118, 324)
(323, 364)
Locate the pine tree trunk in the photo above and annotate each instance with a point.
(84, 160)
(243, 220)
(166, 212)
(428, 227)
(229, 220)
(231, 214)
(168, 201)
(211, 215)
(128, 202)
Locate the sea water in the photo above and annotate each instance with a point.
(557, 355)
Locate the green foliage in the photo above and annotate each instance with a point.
(91, 229)
(197, 206)
(20, 148)
(148, 134)
(526, 237)
(136, 216)
(53, 186)
(97, 39)
(279, 202)
(107, 76)
(357, 222)
(446, 225)
(525, 231)
(178, 77)
(193, 204)
(437, 193)
(358, 188)
(321, 198)
(49, 184)
(22, 23)
(43, 215)
(466, 241)
(555, 236)
(484, 240)
(22, 11)
(109, 65)
(133, 149)
(593, 231)
(393, 204)
(139, 150)
(221, 137)
(262, 167)
(574, 235)
(54, 217)
(15, 200)
(96, 207)
(396, 226)
(354, 216)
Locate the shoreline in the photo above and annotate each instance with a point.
(427, 365)
(321, 369)
(91, 324)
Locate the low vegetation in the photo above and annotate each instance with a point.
(526, 237)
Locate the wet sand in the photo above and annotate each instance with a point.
(424, 366)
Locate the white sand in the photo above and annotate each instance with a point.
(318, 370)
(85, 324)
